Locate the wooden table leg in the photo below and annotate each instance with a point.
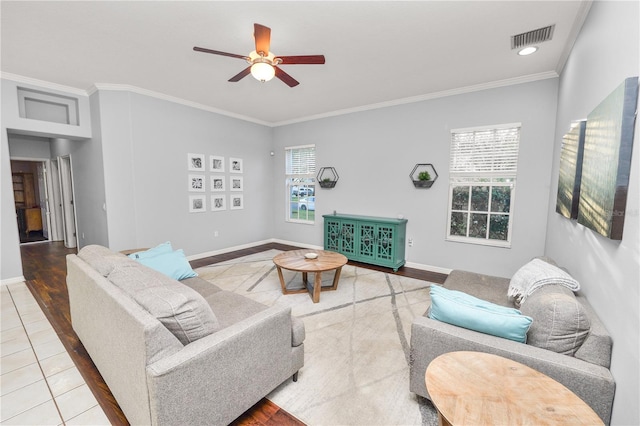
(442, 421)
(282, 284)
(336, 278)
(317, 287)
(305, 279)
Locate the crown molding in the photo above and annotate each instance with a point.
(126, 88)
(429, 96)
(43, 84)
(134, 89)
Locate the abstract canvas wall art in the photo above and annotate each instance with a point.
(606, 162)
(571, 170)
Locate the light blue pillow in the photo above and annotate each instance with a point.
(159, 249)
(463, 310)
(173, 264)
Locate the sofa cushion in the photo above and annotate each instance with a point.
(101, 258)
(466, 311)
(485, 287)
(560, 322)
(179, 308)
(204, 287)
(535, 274)
(231, 308)
(596, 349)
(173, 264)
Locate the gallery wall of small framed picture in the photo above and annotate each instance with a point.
(217, 181)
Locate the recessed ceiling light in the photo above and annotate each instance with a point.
(527, 51)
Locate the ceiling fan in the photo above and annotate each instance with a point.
(263, 63)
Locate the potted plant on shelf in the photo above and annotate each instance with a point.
(423, 175)
(327, 183)
(323, 177)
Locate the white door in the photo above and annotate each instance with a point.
(55, 202)
(68, 209)
(44, 199)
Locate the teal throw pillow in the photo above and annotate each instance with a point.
(463, 310)
(159, 249)
(173, 264)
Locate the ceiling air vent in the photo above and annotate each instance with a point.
(532, 37)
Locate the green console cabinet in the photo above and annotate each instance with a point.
(376, 240)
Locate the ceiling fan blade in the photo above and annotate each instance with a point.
(242, 74)
(303, 59)
(217, 52)
(262, 35)
(286, 78)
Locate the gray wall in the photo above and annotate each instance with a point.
(145, 143)
(12, 123)
(22, 146)
(88, 187)
(375, 151)
(10, 263)
(605, 53)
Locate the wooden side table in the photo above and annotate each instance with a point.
(475, 388)
(295, 260)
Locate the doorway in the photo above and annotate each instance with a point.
(31, 200)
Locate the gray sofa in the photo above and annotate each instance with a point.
(241, 349)
(585, 372)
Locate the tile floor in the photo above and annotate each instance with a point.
(39, 383)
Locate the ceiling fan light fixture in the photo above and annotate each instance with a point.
(262, 71)
(262, 66)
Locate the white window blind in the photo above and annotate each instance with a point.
(301, 160)
(485, 151)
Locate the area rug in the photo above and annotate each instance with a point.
(356, 369)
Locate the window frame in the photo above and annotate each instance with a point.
(308, 178)
(484, 178)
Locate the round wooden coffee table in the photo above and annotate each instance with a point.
(295, 260)
(475, 388)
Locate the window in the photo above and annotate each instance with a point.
(300, 183)
(482, 184)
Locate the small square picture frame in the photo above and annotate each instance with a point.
(237, 183)
(218, 183)
(236, 165)
(218, 202)
(197, 203)
(237, 202)
(196, 183)
(196, 162)
(216, 164)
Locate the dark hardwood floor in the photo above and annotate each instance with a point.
(44, 266)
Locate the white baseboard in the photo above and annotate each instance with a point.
(297, 244)
(250, 245)
(414, 265)
(430, 268)
(13, 280)
(227, 250)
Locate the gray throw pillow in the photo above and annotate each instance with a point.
(181, 309)
(102, 259)
(560, 322)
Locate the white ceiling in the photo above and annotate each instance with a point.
(377, 52)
